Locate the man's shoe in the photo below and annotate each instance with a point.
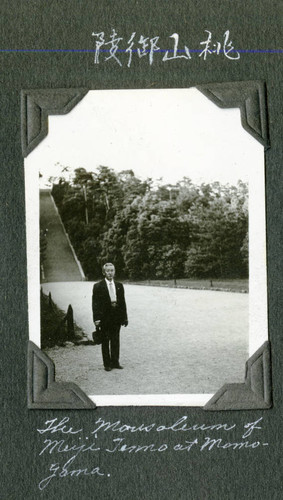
(119, 367)
(107, 368)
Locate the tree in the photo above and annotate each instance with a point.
(171, 263)
(156, 240)
(155, 230)
(218, 230)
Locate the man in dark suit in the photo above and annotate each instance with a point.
(109, 313)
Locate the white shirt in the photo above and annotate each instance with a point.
(112, 285)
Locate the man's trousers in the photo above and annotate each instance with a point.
(111, 345)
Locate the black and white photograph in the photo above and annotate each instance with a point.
(141, 229)
(146, 246)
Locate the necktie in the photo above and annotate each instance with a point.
(112, 292)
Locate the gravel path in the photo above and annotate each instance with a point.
(177, 342)
(59, 264)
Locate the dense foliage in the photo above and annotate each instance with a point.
(155, 231)
(54, 325)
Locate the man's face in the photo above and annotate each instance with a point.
(109, 272)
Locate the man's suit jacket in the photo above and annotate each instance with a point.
(101, 304)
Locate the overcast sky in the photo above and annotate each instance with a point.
(169, 133)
